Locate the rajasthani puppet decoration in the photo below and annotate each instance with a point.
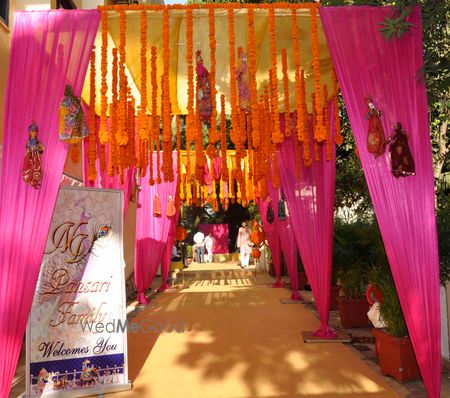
(376, 140)
(32, 165)
(242, 80)
(72, 121)
(402, 162)
(203, 91)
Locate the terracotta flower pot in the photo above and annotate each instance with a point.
(353, 313)
(301, 276)
(396, 356)
(334, 294)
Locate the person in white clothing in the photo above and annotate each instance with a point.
(244, 245)
(209, 243)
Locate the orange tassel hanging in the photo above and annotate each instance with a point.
(319, 130)
(223, 143)
(299, 93)
(121, 134)
(314, 124)
(338, 137)
(142, 117)
(154, 119)
(277, 136)
(190, 120)
(233, 84)
(326, 123)
(113, 161)
(92, 153)
(287, 111)
(252, 83)
(103, 132)
(167, 164)
(214, 134)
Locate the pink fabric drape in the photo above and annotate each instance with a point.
(103, 180)
(152, 232)
(367, 64)
(49, 50)
(272, 236)
(220, 236)
(288, 246)
(167, 255)
(311, 206)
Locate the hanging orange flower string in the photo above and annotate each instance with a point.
(314, 125)
(287, 112)
(338, 137)
(235, 136)
(277, 136)
(142, 117)
(252, 79)
(214, 134)
(326, 123)
(103, 132)
(158, 138)
(319, 130)
(223, 142)
(154, 121)
(180, 191)
(113, 155)
(131, 147)
(167, 163)
(92, 152)
(121, 134)
(190, 121)
(299, 76)
(307, 159)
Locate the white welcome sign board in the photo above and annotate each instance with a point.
(80, 290)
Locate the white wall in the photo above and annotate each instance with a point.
(29, 5)
(445, 308)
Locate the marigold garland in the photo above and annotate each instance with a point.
(287, 112)
(277, 135)
(142, 117)
(113, 151)
(121, 134)
(314, 126)
(223, 141)
(319, 130)
(338, 137)
(103, 132)
(214, 134)
(326, 123)
(252, 79)
(167, 163)
(235, 136)
(190, 121)
(92, 152)
(154, 120)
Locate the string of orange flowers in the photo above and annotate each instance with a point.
(319, 130)
(252, 79)
(338, 137)
(277, 136)
(326, 123)
(287, 129)
(154, 121)
(214, 134)
(223, 142)
(142, 117)
(121, 135)
(314, 126)
(103, 132)
(113, 155)
(180, 190)
(167, 163)
(92, 152)
(190, 121)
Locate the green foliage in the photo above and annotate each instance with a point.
(357, 248)
(390, 308)
(443, 224)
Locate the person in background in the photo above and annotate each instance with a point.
(175, 255)
(244, 244)
(209, 243)
(199, 239)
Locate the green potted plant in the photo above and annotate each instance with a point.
(357, 246)
(393, 346)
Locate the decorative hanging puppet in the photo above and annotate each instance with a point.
(156, 206)
(72, 121)
(32, 165)
(270, 216)
(203, 91)
(170, 211)
(376, 139)
(242, 80)
(282, 208)
(402, 162)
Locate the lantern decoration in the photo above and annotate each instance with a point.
(256, 253)
(180, 233)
